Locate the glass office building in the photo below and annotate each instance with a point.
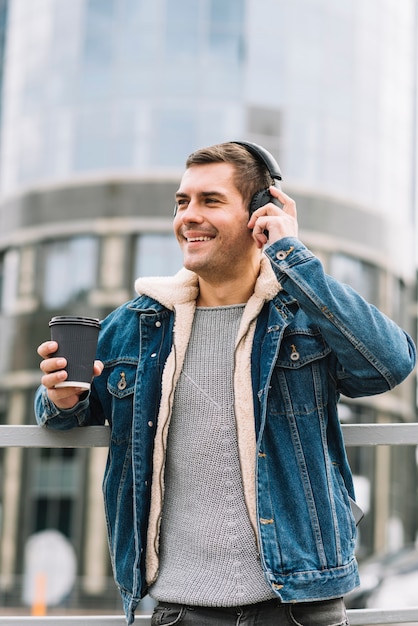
(102, 101)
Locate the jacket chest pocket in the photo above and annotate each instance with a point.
(299, 381)
(121, 386)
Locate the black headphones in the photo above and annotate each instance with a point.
(260, 198)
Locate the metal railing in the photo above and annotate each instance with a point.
(98, 436)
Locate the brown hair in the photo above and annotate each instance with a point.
(250, 175)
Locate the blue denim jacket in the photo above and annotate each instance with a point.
(316, 339)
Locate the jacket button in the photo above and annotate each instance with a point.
(122, 382)
(294, 356)
(282, 254)
(158, 324)
(150, 424)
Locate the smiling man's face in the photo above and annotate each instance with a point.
(211, 223)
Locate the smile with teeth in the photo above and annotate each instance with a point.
(191, 239)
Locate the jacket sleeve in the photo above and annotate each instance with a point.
(373, 354)
(49, 415)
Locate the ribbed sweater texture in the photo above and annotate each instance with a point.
(208, 551)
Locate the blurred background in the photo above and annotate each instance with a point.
(101, 101)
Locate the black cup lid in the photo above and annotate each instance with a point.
(75, 319)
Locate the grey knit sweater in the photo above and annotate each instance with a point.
(208, 552)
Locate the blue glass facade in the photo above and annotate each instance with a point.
(99, 86)
(3, 26)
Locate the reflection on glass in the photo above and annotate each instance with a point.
(55, 479)
(363, 277)
(138, 16)
(182, 32)
(69, 270)
(210, 28)
(157, 255)
(98, 49)
(3, 26)
(104, 138)
(1, 280)
(9, 271)
(398, 301)
(176, 132)
(226, 29)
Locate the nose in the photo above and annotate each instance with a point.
(191, 213)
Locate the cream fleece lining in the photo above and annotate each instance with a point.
(179, 293)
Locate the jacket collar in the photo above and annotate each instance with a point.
(183, 287)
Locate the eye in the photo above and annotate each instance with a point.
(211, 201)
(181, 203)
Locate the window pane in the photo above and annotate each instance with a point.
(104, 138)
(363, 277)
(53, 513)
(226, 29)
(157, 255)
(2, 273)
(138, 16)
(398, 301)
(69, 270)
(55, 476)
(175, 136)
(98, 49)
(9, 272)
(182, 32)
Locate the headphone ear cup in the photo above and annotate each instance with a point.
(259, 199)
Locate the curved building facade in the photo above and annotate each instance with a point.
(102, 101)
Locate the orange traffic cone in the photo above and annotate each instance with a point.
(39, 600)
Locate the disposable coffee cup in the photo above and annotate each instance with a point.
(77, 342)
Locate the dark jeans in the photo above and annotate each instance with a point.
(271, 613)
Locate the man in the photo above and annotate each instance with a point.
(227, 488)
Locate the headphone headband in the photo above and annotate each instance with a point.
(261, 154)
(260, 198)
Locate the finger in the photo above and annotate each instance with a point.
(53, 364)
(259, 234)
(271, 227)
(289, 205)
(98, 368)
(51, 378)
(47, 349)
(260, 240)
(267, 210)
